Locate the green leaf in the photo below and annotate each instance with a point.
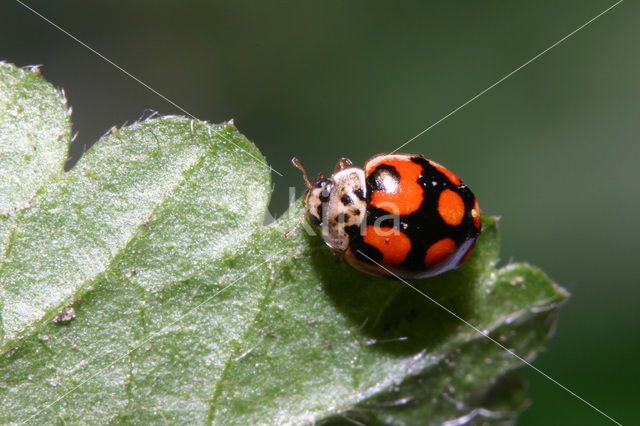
(35, 131)
(183, 307)
(34, 136)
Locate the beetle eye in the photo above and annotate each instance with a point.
(325, 185)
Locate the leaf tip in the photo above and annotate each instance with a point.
(231, 123)
(33, 68)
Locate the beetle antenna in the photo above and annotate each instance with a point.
(297, 163)
(292, 230)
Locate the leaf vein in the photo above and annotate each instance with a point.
(118, 255)
(236, 351)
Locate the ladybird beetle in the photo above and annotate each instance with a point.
(401, 215)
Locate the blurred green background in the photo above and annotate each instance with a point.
(553, 149)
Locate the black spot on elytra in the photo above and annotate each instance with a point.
(377, 178)
(360, 194)
(361, 250)
(346, 200)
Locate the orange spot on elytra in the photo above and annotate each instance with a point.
(453, 178)
(407, 196)
(393, 244)
(451, 207)
(439, 251)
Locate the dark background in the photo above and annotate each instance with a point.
(553, 149)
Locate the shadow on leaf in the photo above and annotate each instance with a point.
(393, 317)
